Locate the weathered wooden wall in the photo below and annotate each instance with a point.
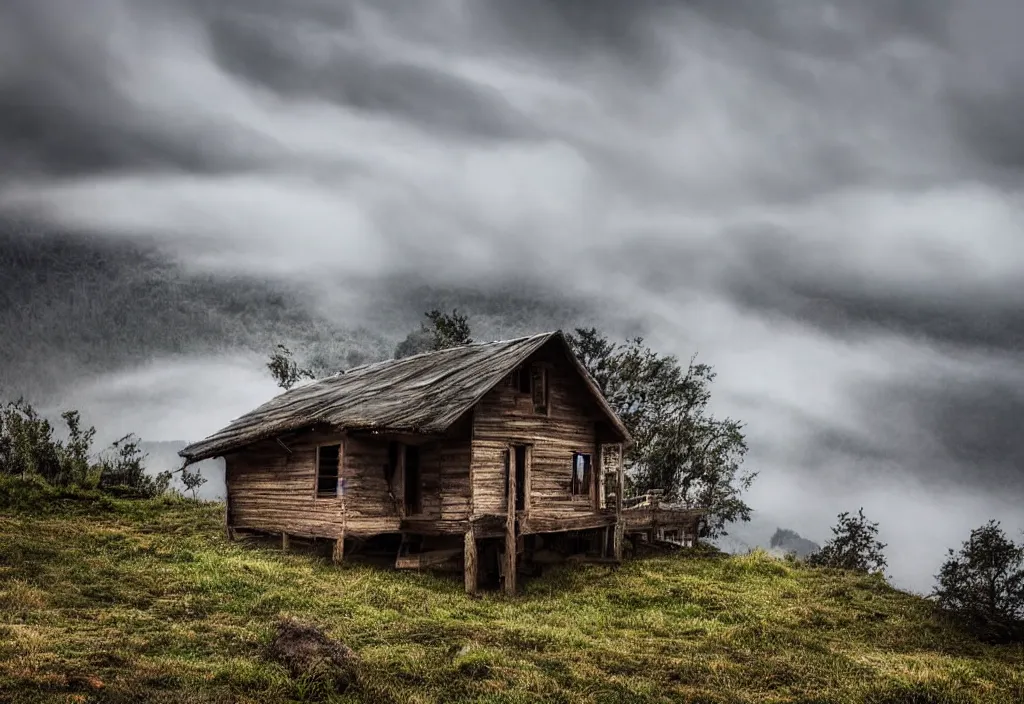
(270, 489)
(453, 459)
(506, 416)
(369, 507)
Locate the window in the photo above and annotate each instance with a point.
(520, 469)
(327, 470)
(519, 379)
(391, 468)
(581, 474)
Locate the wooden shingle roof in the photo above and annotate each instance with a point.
(424, 393)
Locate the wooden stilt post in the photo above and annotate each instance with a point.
(604, 541)
(285, 542)
(229, 532)
(510, 530)
(619, 528)
(338, 553)
(470, 563)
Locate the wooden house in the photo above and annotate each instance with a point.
(485, 455)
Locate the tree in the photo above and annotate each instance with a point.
(678, 445)
(853, 547)
(984, 584)
(192, 480)
(123, 466)
(27, 445)
(440, 331)
(284, 369)
(74, 454)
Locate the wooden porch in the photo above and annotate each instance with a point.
(651, 516)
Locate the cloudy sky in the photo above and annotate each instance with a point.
(823, 200)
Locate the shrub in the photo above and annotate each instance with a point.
(125, 468)
(853, 547)
(29, 450)
(983, 585)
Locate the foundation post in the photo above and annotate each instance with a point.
(470, 563)
(338, 553)
(229, 532)
(510, 529)
(619, 528)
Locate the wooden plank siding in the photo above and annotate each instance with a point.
(505, 416)
(371, 507)
(271, 489)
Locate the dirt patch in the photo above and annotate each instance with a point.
(310, 655)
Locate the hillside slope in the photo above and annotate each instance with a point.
(117, 601)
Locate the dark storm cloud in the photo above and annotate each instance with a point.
(834, 29)
(940, 318)
(775, 276)
(88, 306)
(968, 427)
(301, 58)
(65, 111)
(987, 95)
(580, 30)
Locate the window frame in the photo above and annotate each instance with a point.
(584, 486)
(317, 493)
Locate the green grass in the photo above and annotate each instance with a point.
(111, 600)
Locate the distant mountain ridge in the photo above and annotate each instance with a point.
(789, 541)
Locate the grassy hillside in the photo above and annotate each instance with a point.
(117, 601)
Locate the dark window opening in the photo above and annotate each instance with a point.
(540, 388)
(391, 468)
(327, 470)
(581, 474)
(413, 481)
(520, 477)
(521, 380)
(520, 459)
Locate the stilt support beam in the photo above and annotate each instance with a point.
(510, 529)
(470, 563)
